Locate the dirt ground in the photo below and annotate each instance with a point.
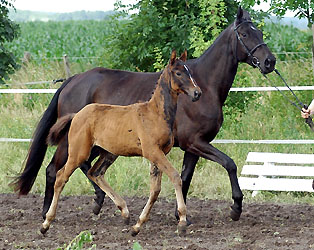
(261, 226)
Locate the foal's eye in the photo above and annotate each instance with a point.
(178, 73)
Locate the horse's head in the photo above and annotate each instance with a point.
(250, 46)
(181, 80)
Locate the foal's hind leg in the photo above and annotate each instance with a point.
(96, 174)
(155, 187)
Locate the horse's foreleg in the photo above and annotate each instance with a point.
(189, 163)
(155, 187)
(63, 176)
(206, 150)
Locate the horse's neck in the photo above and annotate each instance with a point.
(164, 101)
(218, 65)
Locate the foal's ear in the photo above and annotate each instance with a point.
(173, 57)
(184, 56)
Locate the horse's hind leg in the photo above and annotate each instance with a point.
(63, 176)
(96, 174)
(57, 162)
(100, 195)
(155, 187)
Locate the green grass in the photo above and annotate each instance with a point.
(268, 116)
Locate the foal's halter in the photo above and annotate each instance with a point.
(249, 52)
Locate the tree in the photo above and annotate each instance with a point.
(8, 31)
(302, 9)
(143, 40)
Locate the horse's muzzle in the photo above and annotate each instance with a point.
(197, 95)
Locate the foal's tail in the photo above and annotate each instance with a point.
(59, 129)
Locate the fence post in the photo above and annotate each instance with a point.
(26, 58)
(66, 66)
(313, 47)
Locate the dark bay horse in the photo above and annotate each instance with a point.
(196, 124)
(140, 129)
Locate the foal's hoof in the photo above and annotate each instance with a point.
(44, 230)
(188, 222)
(182, 229)
(235, 216)
(96, 209)
(134, 231)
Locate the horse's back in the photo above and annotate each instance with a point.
(102, 85)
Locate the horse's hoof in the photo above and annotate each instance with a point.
(96, 209)
(126, 220)
(182, 229)
(235, 216)
(134, 231)
(44, 230)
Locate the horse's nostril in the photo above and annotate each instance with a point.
(267, 63)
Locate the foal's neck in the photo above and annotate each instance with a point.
(164, 99)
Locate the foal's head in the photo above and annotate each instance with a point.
(181, 80)
(250, 47)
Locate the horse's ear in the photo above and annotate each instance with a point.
(184, 56)
(173, 57)
(240, 13)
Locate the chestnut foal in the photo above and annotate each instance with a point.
(141, 129)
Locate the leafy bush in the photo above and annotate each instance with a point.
(8, 32)
(283, 39)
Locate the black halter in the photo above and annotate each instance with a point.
(249, 52)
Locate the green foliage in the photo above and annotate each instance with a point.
(302, 9)
(8, 31)
(165, 25)
(78, 242)
(211, 22)
(137, 246)
(54, 39)
(286, 38)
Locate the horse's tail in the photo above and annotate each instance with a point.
(36, 153)
(59, 129)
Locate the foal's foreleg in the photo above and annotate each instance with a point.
(165, 166)
(155, 187)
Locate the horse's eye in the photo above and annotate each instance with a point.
(243, 35)
(178, 73)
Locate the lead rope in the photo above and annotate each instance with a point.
(300, 106)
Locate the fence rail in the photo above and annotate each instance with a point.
(242, 89)
(217, 141)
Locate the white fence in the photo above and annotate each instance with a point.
(243, 89)
(218, 141)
